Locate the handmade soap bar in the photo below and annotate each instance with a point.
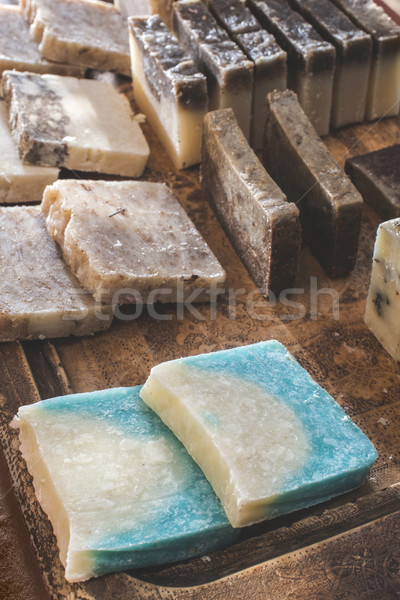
(130, 241)
(39, 296)
(263, 227)
(19, 182)
(270, 70)
(92, 34)
(383, 301)
(376, 175)
(330, 206)
(311, 60)
(353, 58)
(75, 123)
(168, 89)
(268, 438)
(145, 8)
(384, 84)
(229, 73)
(118, 487)
(18, 50)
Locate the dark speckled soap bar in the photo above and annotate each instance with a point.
(270, 69)
(353, 58)
(330, 206)
(229, 73)
(377, 177)
(384, 85)
(311, 60)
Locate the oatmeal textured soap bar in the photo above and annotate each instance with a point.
(268, 438)
(383, 302)
(118, 487)
(79, 124)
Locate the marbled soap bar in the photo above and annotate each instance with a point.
(383, 98)
(376, 175)
(382, 313)
(79, 124)
(91, 34)
(262, 226)
(130, 241)
(168, 89)
(267, 437)
(19, 51)
(311, 59)
(19, 182)
(229, 73)
(39, 296)
(119, 489)
(330, 206)
(353, 58)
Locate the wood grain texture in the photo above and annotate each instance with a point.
(345, 548)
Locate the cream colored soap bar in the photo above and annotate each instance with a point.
(79, 124)
(168, 89)
(39, 296)
(18, 50)
(130, 242)
(268, 438)
(19, 182)
(92, 34)
(382, 314)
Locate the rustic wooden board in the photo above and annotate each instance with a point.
(342, 549)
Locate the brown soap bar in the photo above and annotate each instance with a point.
(330, 206)
(263, 227)
(376, 175)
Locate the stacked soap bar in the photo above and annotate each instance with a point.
(383, 301)
(267, 437)
(384, 83)
(91, 34)
(377, 177)
(229, 73)
(168, 88)
(19, 182)
(19, 51)
(353, 58)
(270, 70)
(75, 123)
(311, 60)
(39, 296)
(330, 206)
(263, 227)
(130, 242)
(118, 487)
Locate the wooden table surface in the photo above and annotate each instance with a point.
(346, 548)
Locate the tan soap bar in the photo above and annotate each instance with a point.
(19, 182)
(330, 206)
(19, 51)
(92, 34)
(263, 227)
(39, 296)
(130, 241)
(79, 124)
(168, 89)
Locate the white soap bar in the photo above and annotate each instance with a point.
(19, 182)
(268, 438)
(39, 296)
(19, 51)
(92, 34)
(168, 89)
(79, 124)
(382, 314)
(130, 242)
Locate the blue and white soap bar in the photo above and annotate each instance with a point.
(268, 438)
(119, 489)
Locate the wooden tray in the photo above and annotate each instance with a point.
(347, 548)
